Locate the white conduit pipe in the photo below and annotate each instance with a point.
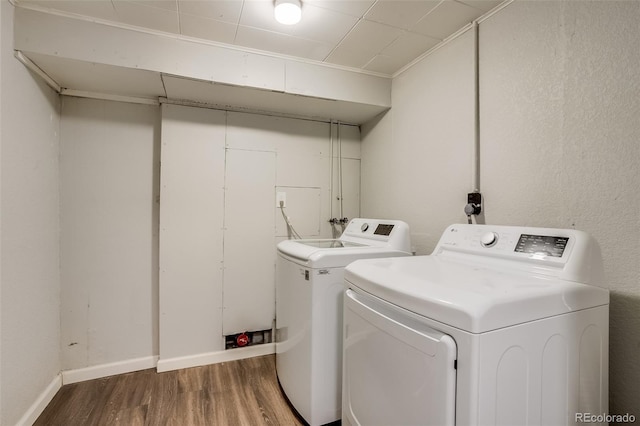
(340, 172)
(475, 166)
(331, 170)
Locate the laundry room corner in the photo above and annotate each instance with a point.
(558, 143)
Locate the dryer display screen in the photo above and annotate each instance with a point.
(383, 230)
(540, 244)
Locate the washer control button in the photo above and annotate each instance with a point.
(489, 239)
(364, 227)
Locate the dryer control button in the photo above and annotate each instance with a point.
(364, 227)
(489, 239)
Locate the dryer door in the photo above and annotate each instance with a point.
(396, 369)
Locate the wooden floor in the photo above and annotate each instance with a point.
(244, 392)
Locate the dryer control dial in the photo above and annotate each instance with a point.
(489, 239)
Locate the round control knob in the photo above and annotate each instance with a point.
(489, 239)
(364, 227)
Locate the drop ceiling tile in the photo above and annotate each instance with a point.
(483, 5)
(208, 29)
(281, 43)
(355, 8)
(259, 14)
(349, 58)
(101, 9)
(409, 46)
(323, 24)
(370, 37)
(384, 64)
(163, 4)
(343, 32)
(448, 17)
(149, 17)
(402, 13)
(220, 10)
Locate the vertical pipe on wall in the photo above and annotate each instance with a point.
(332, 188)
(337, 188)
(340, 171)
(475, 166)
(331, 170)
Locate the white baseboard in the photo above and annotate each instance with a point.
(41, 402)
(111, 369)
(214, 357)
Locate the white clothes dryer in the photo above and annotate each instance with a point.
(309, 293)
(499, 326)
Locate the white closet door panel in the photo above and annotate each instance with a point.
(191, 220)
(302, 170)
(249, 257)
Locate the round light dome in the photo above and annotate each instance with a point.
(288, 12)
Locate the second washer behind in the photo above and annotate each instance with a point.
(309, 299)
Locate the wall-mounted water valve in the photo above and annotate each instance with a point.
(474, 205)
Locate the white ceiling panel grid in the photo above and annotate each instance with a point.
(224, 11)
(402, 13)
(378, 36)
(207, 28)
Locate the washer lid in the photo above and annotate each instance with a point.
(331, 253)
(470, 297)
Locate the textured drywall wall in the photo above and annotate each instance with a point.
(416, 159)
(2, 46)
(559, 105)
(30, 280)
(560, 101)
(109, 186)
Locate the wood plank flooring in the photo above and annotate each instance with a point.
(244, 392)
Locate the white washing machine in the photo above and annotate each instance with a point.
(309, 300)
(499, 326)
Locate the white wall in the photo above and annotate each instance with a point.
(128, 295)
(560, 131)
(191, 230)
(220, 224)
(560, 83)
(416, 159)
(30, 283)
(109, 185)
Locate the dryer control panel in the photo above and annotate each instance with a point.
(564, 253)
(541, 245)
(378, 232)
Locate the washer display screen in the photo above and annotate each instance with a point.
(541, 244)
(383, 229)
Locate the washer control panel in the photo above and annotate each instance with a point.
(566, 254)
(378, 232)
(548, 245)
(489, 239)
(510, 241)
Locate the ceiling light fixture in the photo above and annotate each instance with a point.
(288, 12)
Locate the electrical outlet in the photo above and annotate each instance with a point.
(281, 197)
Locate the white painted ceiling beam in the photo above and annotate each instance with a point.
(62, 46)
